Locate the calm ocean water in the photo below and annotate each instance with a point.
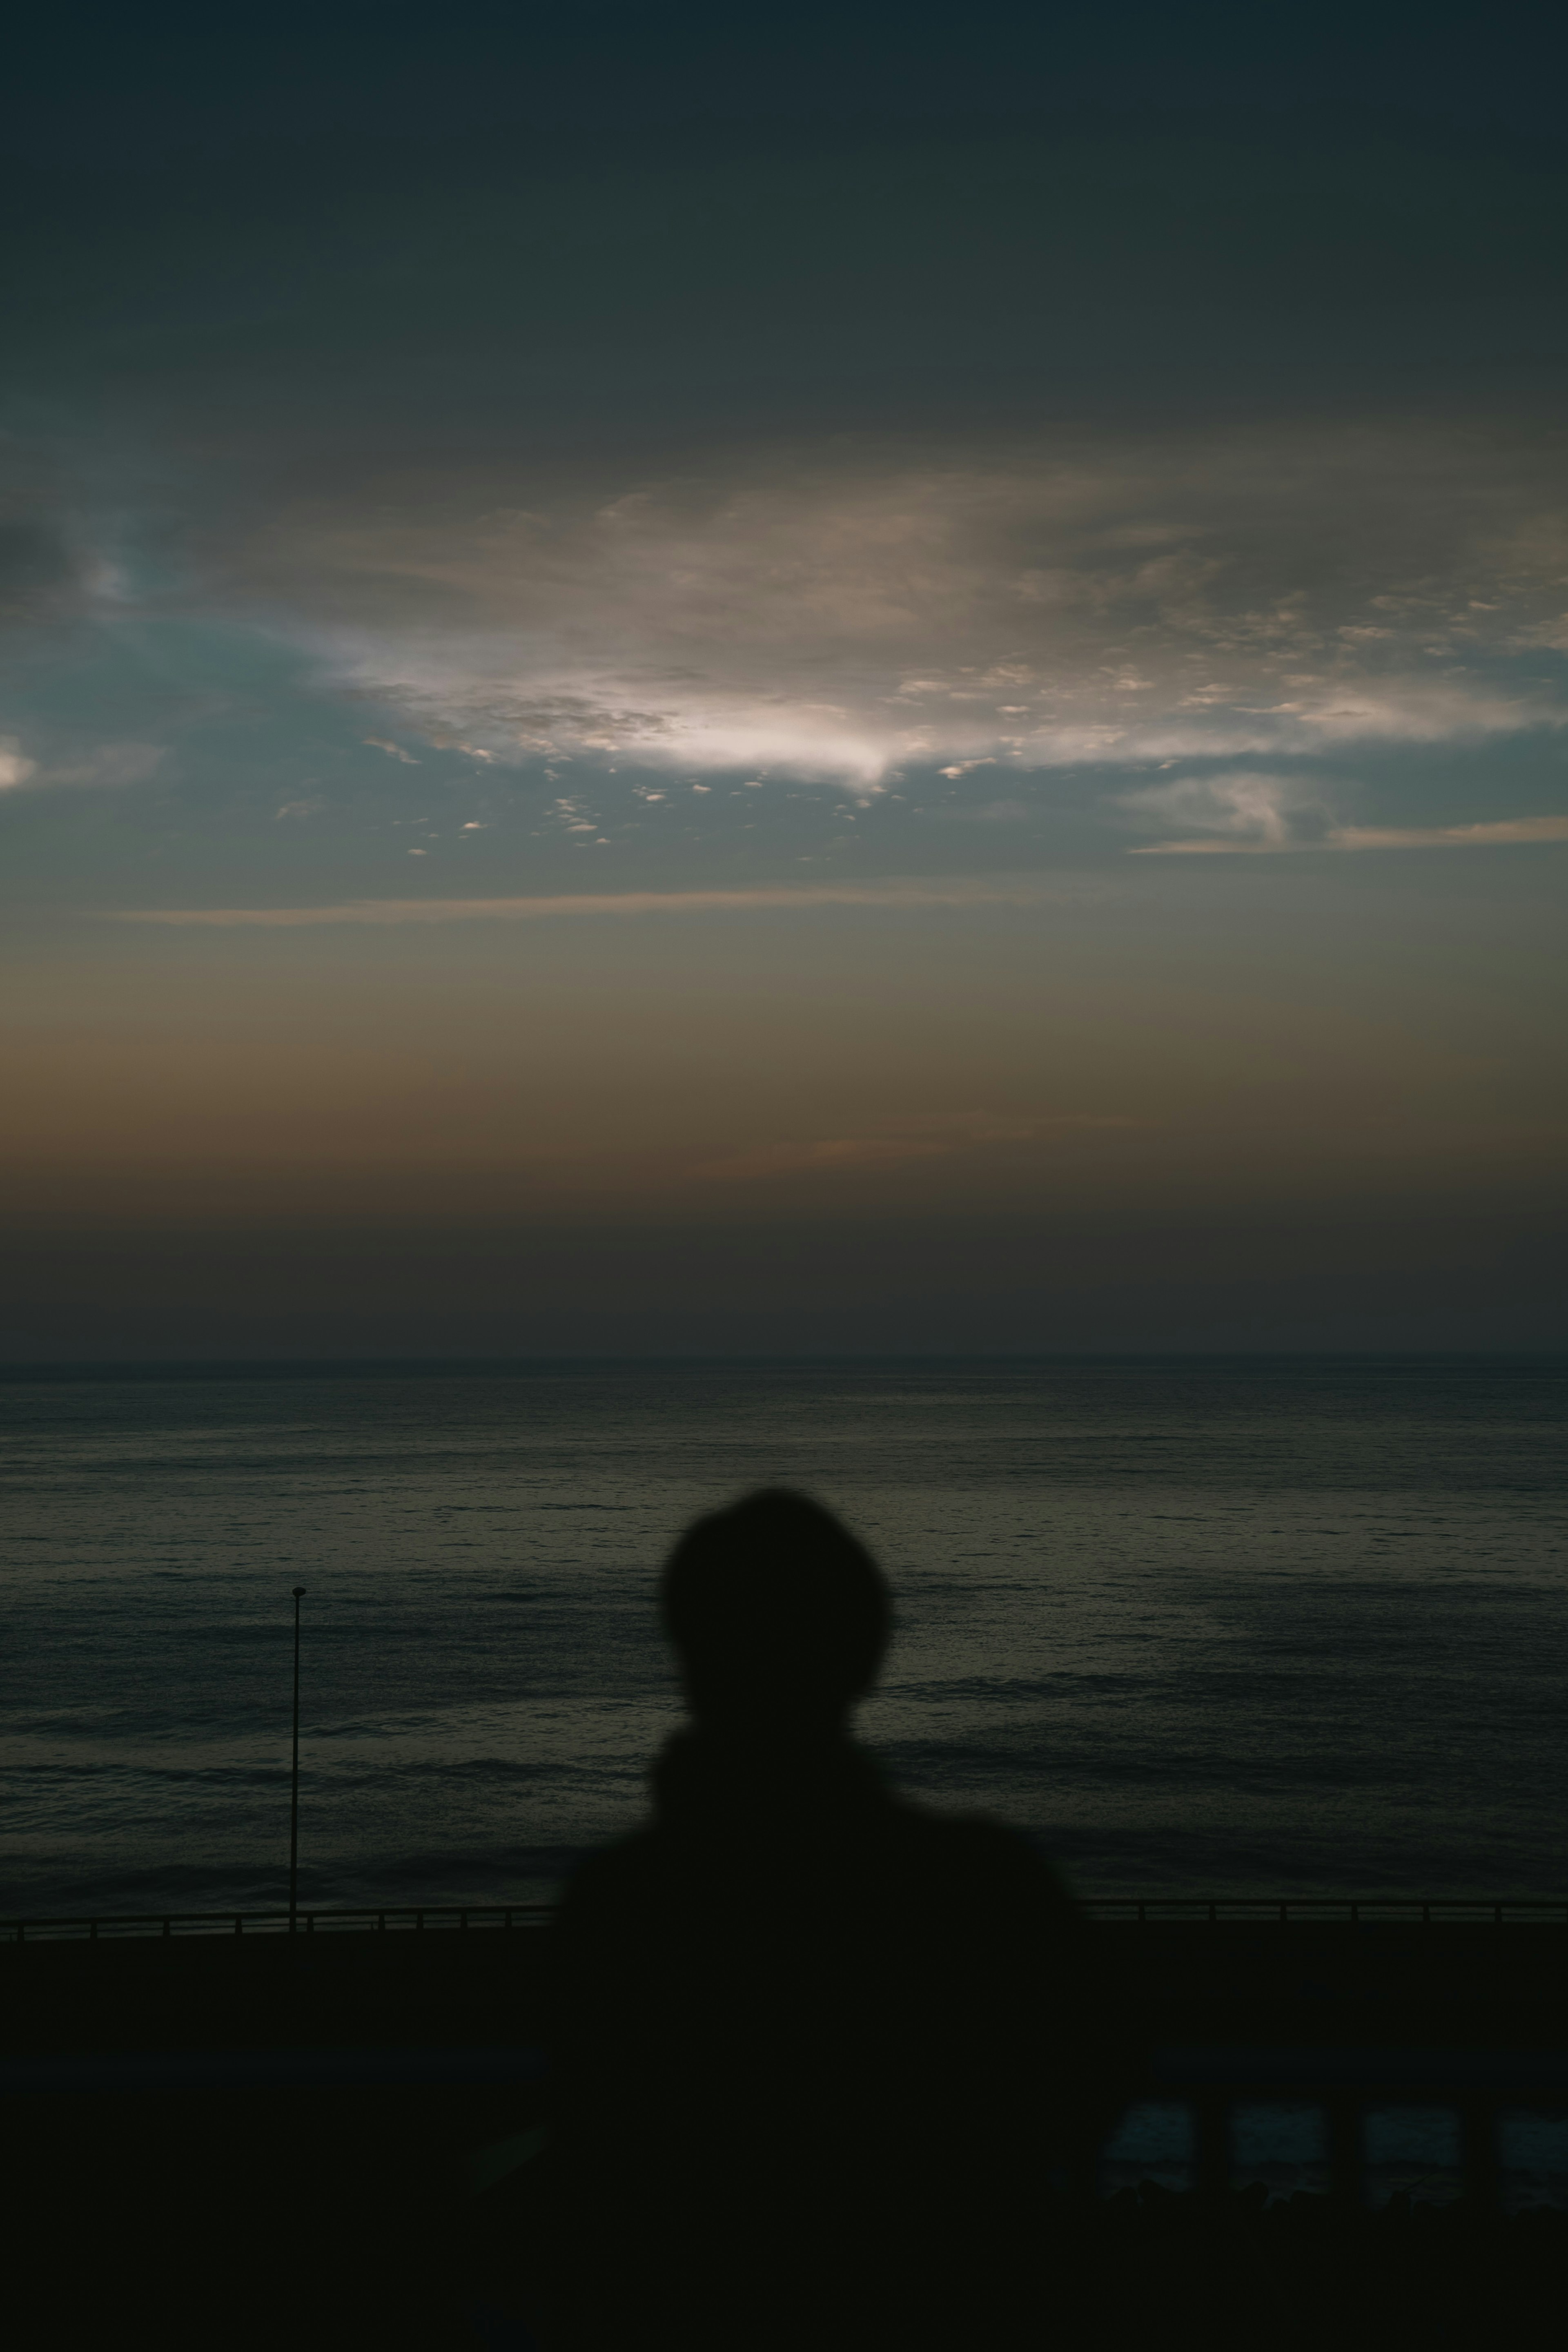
(1260, 1626)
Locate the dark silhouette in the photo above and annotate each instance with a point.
(821, 2056)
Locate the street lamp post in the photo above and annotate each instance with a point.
(294, 1780)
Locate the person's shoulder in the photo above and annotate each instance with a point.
(980, 1855)
(610, 1876)
(976, 1836)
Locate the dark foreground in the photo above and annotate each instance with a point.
(332, 2223)
(277, 2191)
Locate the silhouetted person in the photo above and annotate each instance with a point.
(819, 2049)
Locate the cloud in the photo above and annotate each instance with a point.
(1264, 815)
(895, 894)
(108, 764)
(830, 1154)
(987, 813)
(1262, 812)
(933, 1136)
(1452, 836)
(1506, 830)
(1069, 601)
(14, 769)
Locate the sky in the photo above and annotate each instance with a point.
(857, 684)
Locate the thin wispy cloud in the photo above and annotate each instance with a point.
(935, 1136)
(1507, 832)
(894, 895)
(1452, 836)
(1255, 815)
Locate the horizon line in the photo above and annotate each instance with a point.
(94, 1366)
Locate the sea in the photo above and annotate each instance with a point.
(1201, 1627)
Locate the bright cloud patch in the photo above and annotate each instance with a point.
(14, 767)
(100, 764)
(1072, 605)
(1255, 811)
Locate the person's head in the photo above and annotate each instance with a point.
(777, 1613)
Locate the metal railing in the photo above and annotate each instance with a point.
(184, 1924)
(1354, 1911)
(1144, 1910)
(1344, 2084)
